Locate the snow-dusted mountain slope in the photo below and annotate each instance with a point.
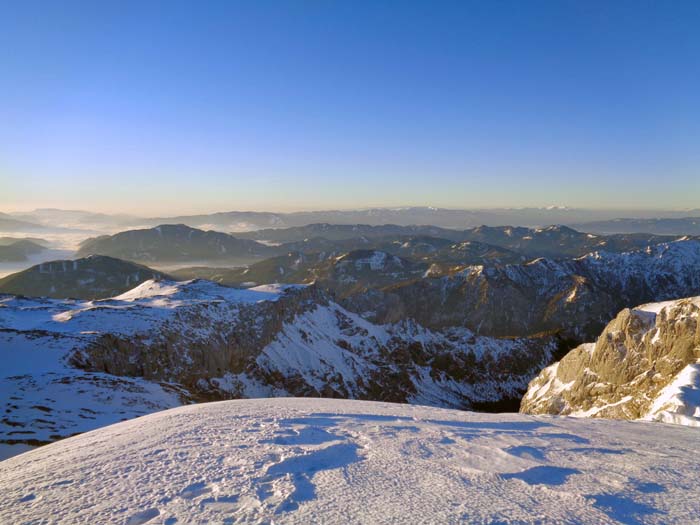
(44, 398)
(645, 364)
(331, 461)
(576, 296)
(69, 366)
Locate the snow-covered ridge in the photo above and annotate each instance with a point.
(332, 461)
(645, 365)
(199, 289)
(132, 312)
(656, 308)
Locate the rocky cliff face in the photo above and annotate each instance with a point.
(645, 364)
(305, 344)
(576, 297)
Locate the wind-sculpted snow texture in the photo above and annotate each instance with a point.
(331, 461)
(576, 297)
(70, 366)
(645, 364)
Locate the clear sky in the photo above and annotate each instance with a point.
(154, 107)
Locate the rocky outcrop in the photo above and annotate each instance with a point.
(331, 352)
(643, 365)
(205, 338)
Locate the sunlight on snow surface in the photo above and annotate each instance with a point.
(334, 461)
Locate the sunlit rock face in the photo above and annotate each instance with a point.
(645, 364)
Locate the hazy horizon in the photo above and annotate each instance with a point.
(210, 211)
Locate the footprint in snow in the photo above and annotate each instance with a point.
(62, 483)
(221, 503)
(301, 469)
(526, 452)
(193, 490)
(143, 516)
(543, 475)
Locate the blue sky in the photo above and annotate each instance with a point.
(203, 106)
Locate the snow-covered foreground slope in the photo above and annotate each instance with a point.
(331, 461)
(645, 364)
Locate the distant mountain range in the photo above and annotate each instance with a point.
(349, 259)
(337, 232)
(6, 241)
(550, 241)
(667, 226)
(235, 221)
(327, 261)
(76, 219)
(13, 249)
(428, 244)
(573, 296)
(10, 224)
(417, 215)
